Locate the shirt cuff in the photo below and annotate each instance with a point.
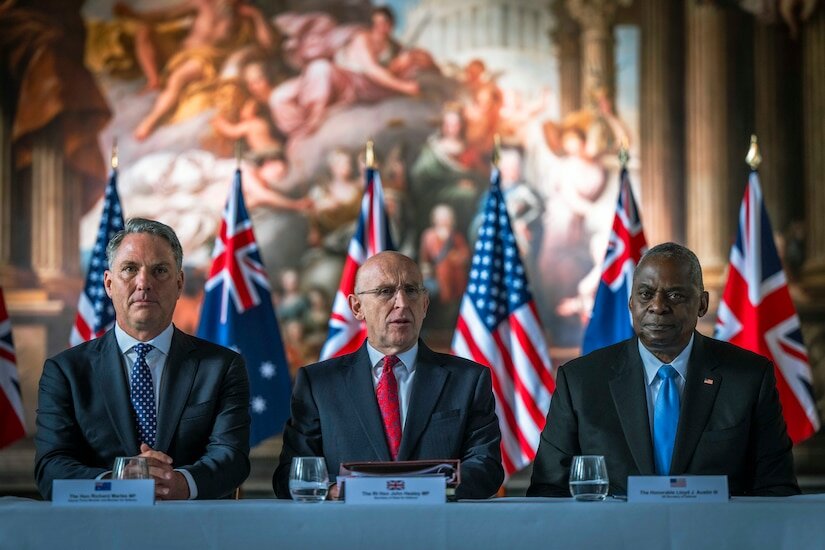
(193, 489)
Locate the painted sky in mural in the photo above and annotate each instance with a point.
(303, 91)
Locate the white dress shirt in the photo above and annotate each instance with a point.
(404, 372)
(156, 360)
(653, 383)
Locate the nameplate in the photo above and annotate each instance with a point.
(396, 490)
(677, 488)
(103, 492)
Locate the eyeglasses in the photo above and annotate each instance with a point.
(387, 293)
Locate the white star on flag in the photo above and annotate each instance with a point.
(267, 369)
(258, 404)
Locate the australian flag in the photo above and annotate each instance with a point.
(237, 313)
(610, 322)
(95, 314)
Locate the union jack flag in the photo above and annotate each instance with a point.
(237, 313)
(498, 326)
(346, 333)
(610, 322)
(95, 313)
(11, 405)
(757, 313)
(396, 485)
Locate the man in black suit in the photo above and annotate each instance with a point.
(342, 408)
(145, 388)
(727, 419)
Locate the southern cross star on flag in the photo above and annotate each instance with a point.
(238, 313)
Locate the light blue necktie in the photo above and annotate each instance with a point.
(143, 396)
(665, 419)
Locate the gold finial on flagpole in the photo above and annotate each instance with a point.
(753, 158)
(496, 149)
(238, 154)
(113, 159)
(624, 153)
(369, 156)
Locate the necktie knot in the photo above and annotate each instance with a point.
(389, 363)
(142, 350)
(667, 371)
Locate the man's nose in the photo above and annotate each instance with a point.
(658, 304)
(400, 298)
(143, 279)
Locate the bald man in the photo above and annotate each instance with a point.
(394, 398)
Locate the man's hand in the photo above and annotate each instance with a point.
(169, 484)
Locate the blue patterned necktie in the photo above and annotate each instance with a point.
(143, 396)
(665, 419)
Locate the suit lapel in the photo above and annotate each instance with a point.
(430, 378)
(701, 387)
(113, 387)
(630, 400)
(358, 377)
(178, 377)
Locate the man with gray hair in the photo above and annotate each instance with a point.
(145, 388)
(668, 401)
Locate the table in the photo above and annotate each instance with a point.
(509, 523)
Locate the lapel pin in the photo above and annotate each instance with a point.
(709, 381)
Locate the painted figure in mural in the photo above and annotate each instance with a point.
(444, 257)
(214, 34)
(337, 199)
(442, 174)
(340, 65)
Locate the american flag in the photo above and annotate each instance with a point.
(11, 405)
(237, 313)
(757, 313)
(610, 322)
(95, 314)
(346, 333)
(499, 327)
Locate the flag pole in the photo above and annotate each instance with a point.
(753, 158)
(496, 149)
(369, 156)
(113, 158)
(624, 153)
(238, 155)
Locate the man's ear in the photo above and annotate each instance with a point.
(107, 282)
(356, 306)
(704, 299)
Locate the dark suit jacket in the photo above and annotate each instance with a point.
(85, 418)
(730, 421)
(451, 415)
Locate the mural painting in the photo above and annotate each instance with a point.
(303, 85)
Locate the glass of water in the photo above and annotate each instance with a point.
(588, 478)
(131, 467)
(308, 479)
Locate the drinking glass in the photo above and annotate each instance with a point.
(588, 478)
(308, 479)
(131, 467)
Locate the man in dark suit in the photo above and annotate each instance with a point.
(394, 398)
(145, 388)
(668, 401)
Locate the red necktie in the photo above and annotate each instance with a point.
(387, 392)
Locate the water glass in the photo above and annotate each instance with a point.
(131, 467)
(588, 478)
(308, 479)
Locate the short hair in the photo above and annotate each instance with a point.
(679, 253)
(152, 227)
(386, 11)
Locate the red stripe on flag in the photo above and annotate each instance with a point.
(532, 355)
(798, 423)
(8, 355)
(522, 391)
(11, 429)
(83, 328)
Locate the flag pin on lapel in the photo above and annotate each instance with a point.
(709, 381)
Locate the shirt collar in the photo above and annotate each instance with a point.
(407, 357)
(162, 342)
(653, 363)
